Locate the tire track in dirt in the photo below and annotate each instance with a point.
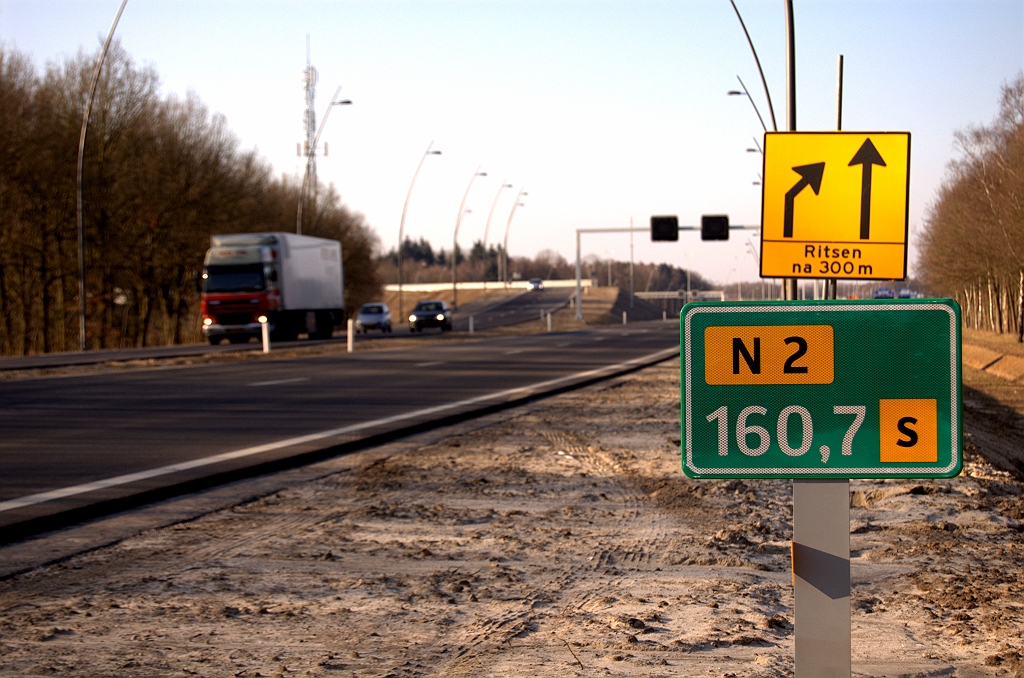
(634, 517)
(575, 588)
(269, 527)
(476, 649)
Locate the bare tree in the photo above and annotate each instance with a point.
(973, 244)
(162, 174)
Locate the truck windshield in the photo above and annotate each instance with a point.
(233, 278)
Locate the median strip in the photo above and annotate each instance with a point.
(508, 394)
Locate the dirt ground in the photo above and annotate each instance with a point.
(557, 539)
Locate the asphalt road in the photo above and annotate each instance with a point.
(77, 446)
(520, 308)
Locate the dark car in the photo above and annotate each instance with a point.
(373, 316)
(431, 313)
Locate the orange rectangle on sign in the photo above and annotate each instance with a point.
(801, 259)
(908, 430)
(769, 354)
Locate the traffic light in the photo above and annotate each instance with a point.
(714, 227)
(665, 228)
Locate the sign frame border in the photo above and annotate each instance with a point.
(948, 306)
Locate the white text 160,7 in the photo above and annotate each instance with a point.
(744, 430)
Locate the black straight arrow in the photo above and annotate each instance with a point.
(810, 175)
(866, 157)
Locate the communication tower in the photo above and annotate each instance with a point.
(309, 80)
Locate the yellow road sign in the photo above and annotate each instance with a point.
(835, 205)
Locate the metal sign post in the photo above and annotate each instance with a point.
(821, 576)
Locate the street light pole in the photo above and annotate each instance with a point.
(791, 283)
(734, 92)
(504, 249)
(455, 237)
(632, 292)
(487, 227)
(401, 226)
(310, 153)
(764, 83)
(81, 164)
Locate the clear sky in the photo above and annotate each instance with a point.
(603, 110)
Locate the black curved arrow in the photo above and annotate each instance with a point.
(810, 175)
(867, 156)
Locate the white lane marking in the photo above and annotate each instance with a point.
(599, 338)
(430, 364)
(275, 382)
(563, 344)
(507, 394)
(518, 350)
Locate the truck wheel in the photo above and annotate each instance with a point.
(284, 332)
(324, 326)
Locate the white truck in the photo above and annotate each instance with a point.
(297, 282)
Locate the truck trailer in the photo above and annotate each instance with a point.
(296, 282)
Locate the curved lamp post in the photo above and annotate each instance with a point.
(311, 152)
(487, 227)
(744, 92)
(81, 163)
(455, 238)
(764, 83)
(504, 248)
(401, 225)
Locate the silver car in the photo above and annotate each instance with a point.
(373, 316)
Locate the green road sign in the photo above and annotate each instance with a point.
(821, 389)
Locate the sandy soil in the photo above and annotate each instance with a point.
(559, 539)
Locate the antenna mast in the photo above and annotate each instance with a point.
(309, 80)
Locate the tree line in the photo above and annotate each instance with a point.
(161, 175)
(973, 242)
(421, 263)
